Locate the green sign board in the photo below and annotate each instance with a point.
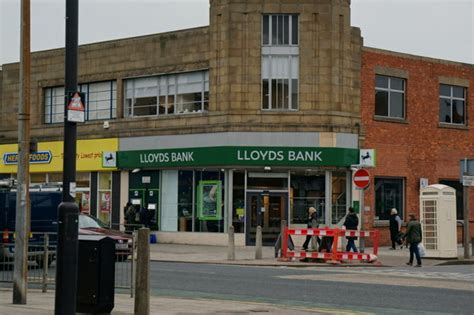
(251, 156)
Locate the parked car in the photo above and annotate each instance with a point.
(89, 225)
(44, 217)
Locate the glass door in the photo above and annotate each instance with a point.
(266, 209)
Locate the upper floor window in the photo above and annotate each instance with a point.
(280, 29)
(280, 65)
(100, 102)
(280, 82)
(167, 94)
(452, 104)
(389, 97)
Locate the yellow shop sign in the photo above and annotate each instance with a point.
(91, 155)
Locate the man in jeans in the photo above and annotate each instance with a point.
(351, 223)
(413, 237)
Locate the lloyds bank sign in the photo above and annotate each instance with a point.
(245, 156)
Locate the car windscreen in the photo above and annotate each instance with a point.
(88, 222)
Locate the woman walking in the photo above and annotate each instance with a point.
(395, 227)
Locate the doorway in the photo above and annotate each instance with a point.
(267, 209)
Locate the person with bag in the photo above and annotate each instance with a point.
(312, 223)
(395, 227)
(414, 237)
(351, 223)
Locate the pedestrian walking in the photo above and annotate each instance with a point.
(351, 223)
(130, 215)
(312, 223)
(395, 228)
(414, 237)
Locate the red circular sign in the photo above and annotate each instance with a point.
(361, 179)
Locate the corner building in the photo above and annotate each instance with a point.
(248, 121)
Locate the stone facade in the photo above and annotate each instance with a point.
(336, 89)
(330, 55)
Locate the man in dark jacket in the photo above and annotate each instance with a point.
(413, 237)
(351, 223)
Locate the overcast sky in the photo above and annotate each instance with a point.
(435, 28)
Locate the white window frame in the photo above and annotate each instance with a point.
(388, 90)
(452, 98)
(289, 51)
(170, 80)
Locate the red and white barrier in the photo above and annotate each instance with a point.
(334, 255)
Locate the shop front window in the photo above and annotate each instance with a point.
(238, 203)
(105, 197)
(306, 191)
(185, 201)
(82, 191)
(339, 200)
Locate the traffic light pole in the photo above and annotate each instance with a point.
(68, 211)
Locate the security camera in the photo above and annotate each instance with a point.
(106, 125)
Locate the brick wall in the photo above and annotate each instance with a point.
(419, 147)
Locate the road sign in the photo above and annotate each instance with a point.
(468, 180)
(75, 107)
(361, 179)
(367, 157)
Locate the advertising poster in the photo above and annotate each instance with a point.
(85, 202)
(209, 200)
(105, 201)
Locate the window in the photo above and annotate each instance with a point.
(167, 94)
(101, 102)
(280, 67)
(389, 97)
(388, 194)
(280, 30)
(452, 104)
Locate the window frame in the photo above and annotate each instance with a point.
(170, 80)
(400, 209)
(83, 87)
(452, 98)
(278, 55)
(389, 89)
(290, 16)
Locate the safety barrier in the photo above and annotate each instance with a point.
(42, 261)
(332, 256)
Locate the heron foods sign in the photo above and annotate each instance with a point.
(221, 156)
(91, 155)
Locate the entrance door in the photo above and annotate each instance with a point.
(266, 209)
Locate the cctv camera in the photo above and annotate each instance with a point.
(106, 125)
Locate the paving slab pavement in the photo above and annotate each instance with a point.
(39, 303)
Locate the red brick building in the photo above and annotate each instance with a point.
(418, 135)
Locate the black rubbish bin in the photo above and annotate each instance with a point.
(96, 274)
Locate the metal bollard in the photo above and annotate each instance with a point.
(282, 233)
(142, 293)
(45, 263)
(258, 243)
(231, 244)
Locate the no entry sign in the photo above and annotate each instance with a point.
(361, 179)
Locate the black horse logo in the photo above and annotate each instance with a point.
(109, 157)
(365, 157)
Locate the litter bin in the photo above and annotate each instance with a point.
(96, 274)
